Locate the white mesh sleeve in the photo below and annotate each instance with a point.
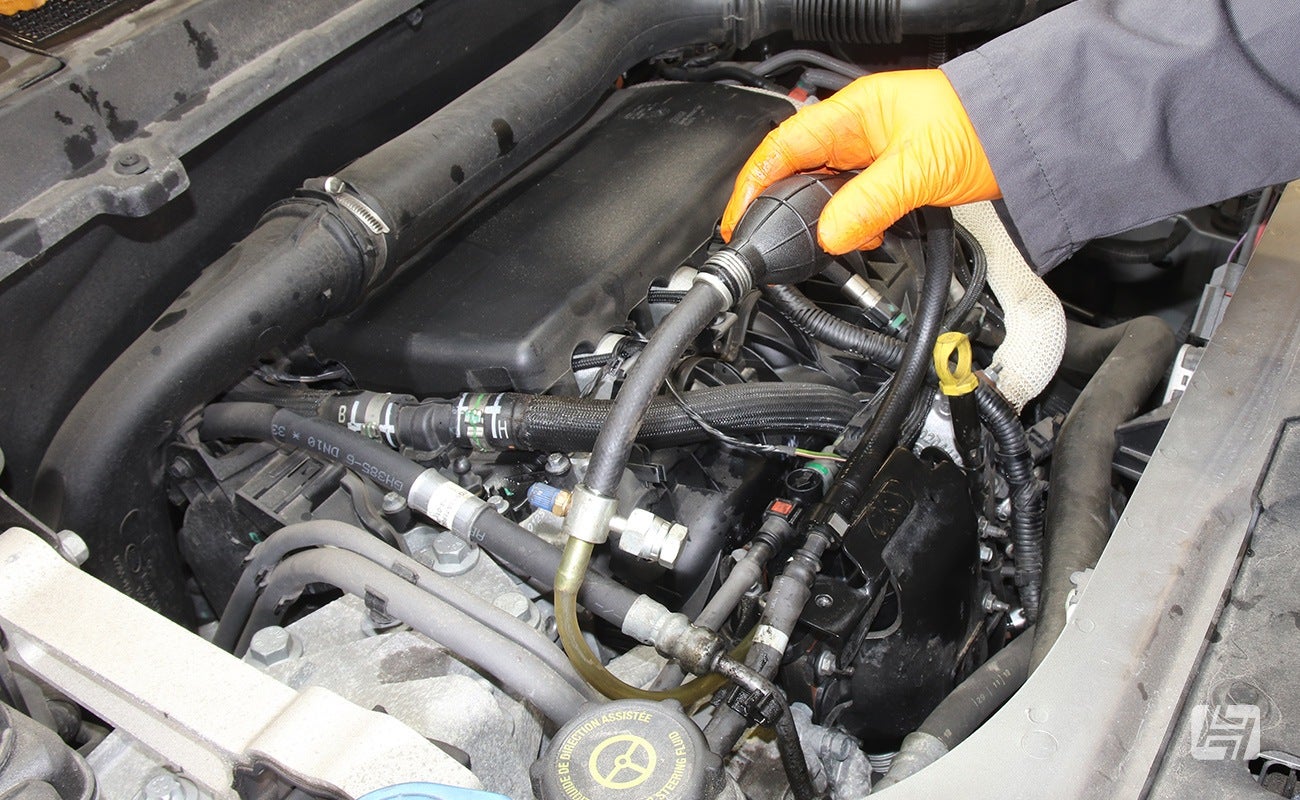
(1031, 353)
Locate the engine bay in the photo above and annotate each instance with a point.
(484, 461)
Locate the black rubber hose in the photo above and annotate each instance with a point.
(610, 451)
(982, 692)
(788, 744)
(530, 556)
(549, 423)
(915, 365)
(1017, 467)
(1079, 509)
(392, 472)
(330, 533)
(102, 474)
(534, 558)
(978, 278)
(1146, 251)
(515, 667)
(722, 72)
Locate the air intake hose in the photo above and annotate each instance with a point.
(886, 21)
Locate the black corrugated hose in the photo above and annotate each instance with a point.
(1017, 467)
(830, 329)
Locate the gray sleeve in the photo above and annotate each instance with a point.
(1107, 114)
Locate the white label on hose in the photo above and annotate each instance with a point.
(445, 500)
(771, 637)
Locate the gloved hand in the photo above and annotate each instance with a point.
(10, 7)
(907, 129)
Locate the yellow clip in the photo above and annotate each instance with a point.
(959, 382)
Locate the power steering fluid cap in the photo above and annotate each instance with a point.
(629, 750)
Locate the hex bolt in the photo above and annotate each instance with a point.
(558, 464)
(180, 468)
(827, 664)
(271, 645)
(515, 604)
(73, 547)
(452, 555)
(499, 504)
(990, 603)
(824, 601)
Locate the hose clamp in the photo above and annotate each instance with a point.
(589, 515)
(346, 197)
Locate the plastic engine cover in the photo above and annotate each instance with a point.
(561, 254)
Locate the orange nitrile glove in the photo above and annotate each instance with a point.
(10, 7)
(908, 132)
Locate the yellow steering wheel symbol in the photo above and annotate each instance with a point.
(632, 763)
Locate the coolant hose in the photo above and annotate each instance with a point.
(569, 578)
(549, 423)
(1137, 353)
(959, 714)
(516, 667)
(340, 535)
(470, 518)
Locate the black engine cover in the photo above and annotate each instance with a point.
(561, 255)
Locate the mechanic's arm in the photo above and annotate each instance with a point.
(1094, 119)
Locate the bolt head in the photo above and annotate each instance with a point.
(271, 645)
(166, 786)
(824, 601)
(826, 664)
(515, 604)
(452, 555)
(393, 503)
(557, 464)
(73, 547)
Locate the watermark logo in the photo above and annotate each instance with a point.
(1227, 732)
